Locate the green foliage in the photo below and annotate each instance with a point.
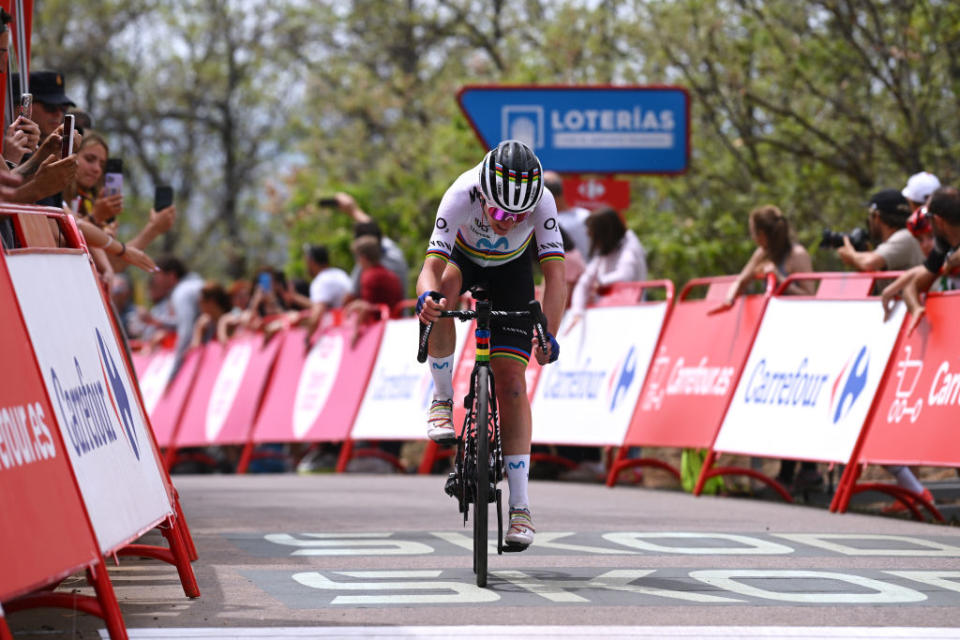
(255, 115)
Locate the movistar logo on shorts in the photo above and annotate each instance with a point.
(795, 387)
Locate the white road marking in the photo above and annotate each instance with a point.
(524, 632)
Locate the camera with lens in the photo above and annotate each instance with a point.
(859, 238)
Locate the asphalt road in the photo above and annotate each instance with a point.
(353, 555)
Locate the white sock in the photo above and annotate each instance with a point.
(442, 371)
(906, 479)
(518, 473)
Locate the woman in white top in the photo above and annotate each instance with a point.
(616, 255)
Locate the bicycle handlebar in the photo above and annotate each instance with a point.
(534, 312)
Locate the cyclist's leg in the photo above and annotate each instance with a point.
(440, 427)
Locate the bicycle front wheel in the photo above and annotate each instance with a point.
(481, 502)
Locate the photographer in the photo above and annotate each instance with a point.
(896, 248)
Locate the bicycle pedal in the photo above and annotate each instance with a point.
(451, 485)
(512, 547)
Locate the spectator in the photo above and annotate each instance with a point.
(328, 289)
(83, 194)
(378, 285)
(573, 220)
(896, 248)
(616, 255)
(391, 255)
(214, 304)
(182, 290)
(943, 210)
(779, 254)
(919, 187)
(22, 135)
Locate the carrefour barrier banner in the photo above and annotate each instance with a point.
(588, 395)
(400, 390)
(227, 391)
(93, 397)
(45, 532)
(809, 380)
(693, 373)
(314, 395)
(916, 417)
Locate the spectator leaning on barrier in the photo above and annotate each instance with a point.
(896, 248)
(214, 304)
(378, 285)
(943, 211)
(616, 255)
(573, 220)
(779, 254)
(919, 187)
(328, 289)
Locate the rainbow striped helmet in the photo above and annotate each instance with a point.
(511, 177)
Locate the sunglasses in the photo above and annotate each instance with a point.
(504, 216)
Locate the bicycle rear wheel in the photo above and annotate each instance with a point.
(482, 497)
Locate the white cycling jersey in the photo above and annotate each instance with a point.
(461, 223)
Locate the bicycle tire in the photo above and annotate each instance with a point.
(481, 507)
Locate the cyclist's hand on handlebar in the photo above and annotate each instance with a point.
(553, 350)
(429, 306)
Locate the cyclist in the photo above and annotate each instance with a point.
(485, 222)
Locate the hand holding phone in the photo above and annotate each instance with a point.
(66, 145)
(162, 197)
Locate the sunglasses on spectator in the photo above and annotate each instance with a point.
(504, 216)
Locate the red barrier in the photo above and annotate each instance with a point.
(692, 376)
(313, 396)
(916, 407)
(810, 378)
(39, 546)
(227, 391)
(166, 399)
(112, 452)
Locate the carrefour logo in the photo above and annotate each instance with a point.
(625, 373)
(797, 386)
(87, 406)
(851, 382)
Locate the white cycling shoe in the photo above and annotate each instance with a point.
(520, 534)
(440, 423)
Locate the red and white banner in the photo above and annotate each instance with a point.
(153, 373)
(315, 396)
(588, 395)
(917, 407)
(227, 391)
(594, 193)
(693, 374)
(809, 380)
(164, 398)
(95, 403)
(396, 401)
(46, 535)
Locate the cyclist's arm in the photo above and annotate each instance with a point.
(554, 293)
(430, 274)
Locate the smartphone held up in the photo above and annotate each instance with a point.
(66, 147)
(113, 177)
(25, 109)
(162, 197)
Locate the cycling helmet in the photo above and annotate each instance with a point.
(510, 177)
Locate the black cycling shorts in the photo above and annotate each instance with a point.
(510, 288)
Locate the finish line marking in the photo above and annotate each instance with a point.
(521, 632)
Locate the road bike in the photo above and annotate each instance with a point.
(478, 464)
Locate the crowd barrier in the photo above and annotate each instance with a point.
(811, 374)
(693, 373)
(75, 418)
(774, 376)
(915, 403)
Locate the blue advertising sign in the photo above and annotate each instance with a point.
(587, 129)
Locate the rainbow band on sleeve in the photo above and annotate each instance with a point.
(551, 255)
(439, 253)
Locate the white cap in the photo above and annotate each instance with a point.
(920, 186)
